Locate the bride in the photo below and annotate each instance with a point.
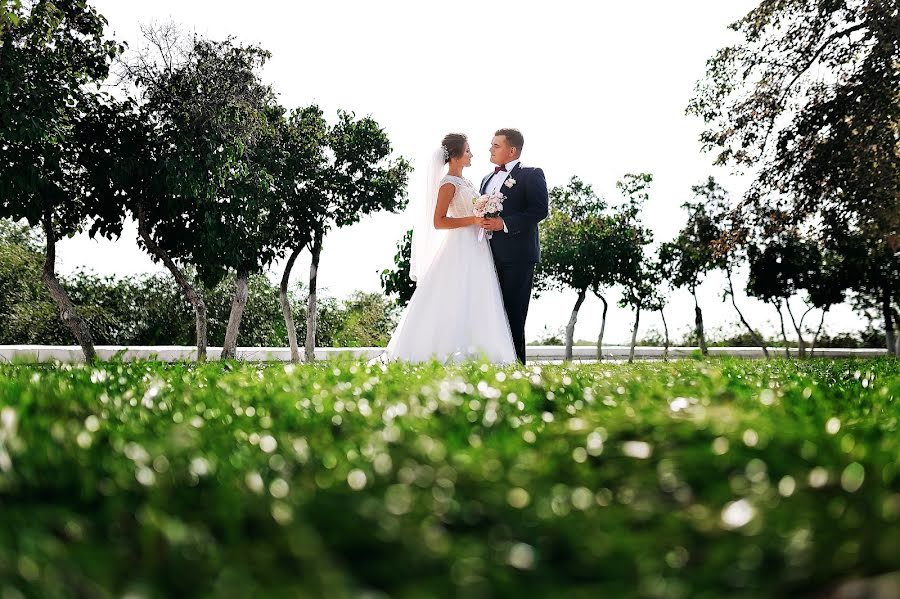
(456, 312)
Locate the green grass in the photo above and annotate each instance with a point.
(683, 479)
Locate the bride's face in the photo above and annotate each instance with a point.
(467, 156)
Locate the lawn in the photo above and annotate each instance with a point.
(683, 479)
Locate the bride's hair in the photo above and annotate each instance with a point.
(454, 145)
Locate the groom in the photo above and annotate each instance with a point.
(515, 240)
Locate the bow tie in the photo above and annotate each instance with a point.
(497, 169)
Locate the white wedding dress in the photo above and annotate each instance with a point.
(456, 312)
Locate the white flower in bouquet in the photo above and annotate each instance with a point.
(489, 205)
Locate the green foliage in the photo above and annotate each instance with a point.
(832, 69)
(689, 479)
(397, 282)
(305, 139)
(809, 99)
(577, 241)
(359, 176)
(150, 309)
(50, 119)
(211, 138)
(782, 267)
(9, 16)
(695, 251)
(639, 275)
(367, 321)
(27, 312)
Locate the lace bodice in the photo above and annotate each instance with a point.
(461, 204)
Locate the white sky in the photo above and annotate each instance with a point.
(598, 89)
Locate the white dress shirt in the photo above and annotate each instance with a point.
(497, 180)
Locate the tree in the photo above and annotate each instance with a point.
(692, 254)
(639, 277)
(254, 212)
(305, 143)
(660, 271)
(731, 245)
(52, 125)
(355, 177)
(779, 268)
(577, 247)
(641, 290)
(397, 282)
(211, 140)
(809, 99)
(875, 283)
(826, 285)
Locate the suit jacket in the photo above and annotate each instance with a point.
(526, 205)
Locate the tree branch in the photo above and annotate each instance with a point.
(801, 72)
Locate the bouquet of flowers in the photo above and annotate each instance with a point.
(490, 205)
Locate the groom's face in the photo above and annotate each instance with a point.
(501, 151)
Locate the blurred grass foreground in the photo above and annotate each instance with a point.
(682, 479)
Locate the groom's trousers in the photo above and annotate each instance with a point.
(516, 279)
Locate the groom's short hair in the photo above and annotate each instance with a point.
(514, 137)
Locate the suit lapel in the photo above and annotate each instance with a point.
(484, 183)
(512, 175)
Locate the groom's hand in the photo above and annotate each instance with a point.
(493, 224)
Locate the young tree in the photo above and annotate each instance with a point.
(692, 254)
(304, 152)
(205, 194)
(875, 283)
(255, 214)
(52, 58)
(731, 244)
(639, 277)
(641, 291)
(577, 250)
(826, 286)
(778, 270)
(397, 281)
(661, 270)
(355, 177)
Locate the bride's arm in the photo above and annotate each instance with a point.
(441, 220)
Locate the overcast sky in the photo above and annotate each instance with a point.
(598, 89)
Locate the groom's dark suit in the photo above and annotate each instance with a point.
(518, 250)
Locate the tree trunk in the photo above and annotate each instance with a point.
(311, 307)
(666, 331)
(602, 328)
(637, 320)
(801, 344)
(806, 349)
(67, 312)
(889, 339)
(756, 336)
(238, 302)
(286, 306)
(698, 321)
(787, 351)
(815, 340)
(897, 339)
(570, 328)
(190, 292)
